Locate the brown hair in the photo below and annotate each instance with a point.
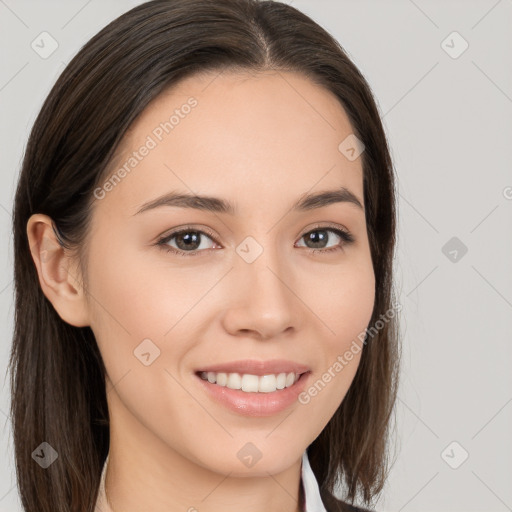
(57, 373)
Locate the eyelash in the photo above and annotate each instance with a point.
(347, 238)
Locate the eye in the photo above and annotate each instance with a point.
(320, 235)
(188, 241)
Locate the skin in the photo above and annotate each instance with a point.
(261, 141)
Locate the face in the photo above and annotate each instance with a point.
(265, 283)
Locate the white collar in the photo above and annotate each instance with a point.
(312, 498)
(313, 501)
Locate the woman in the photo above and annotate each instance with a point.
(196, 170)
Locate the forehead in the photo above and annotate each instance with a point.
(243, 135)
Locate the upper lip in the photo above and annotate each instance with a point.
(254, 367)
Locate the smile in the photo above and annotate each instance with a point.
(252, 383)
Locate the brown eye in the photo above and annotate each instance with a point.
(318, 239)
(188, 241)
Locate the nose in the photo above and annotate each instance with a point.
(262, 302)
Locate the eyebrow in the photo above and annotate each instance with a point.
(218, 205)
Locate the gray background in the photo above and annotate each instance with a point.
(448, 122)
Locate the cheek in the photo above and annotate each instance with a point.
(346, 304)
(136, 298)
(132, 304)
(344, 311)
(134, 301)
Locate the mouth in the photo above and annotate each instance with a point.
(250, 383)
(253, 395)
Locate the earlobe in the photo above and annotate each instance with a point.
(59, 280)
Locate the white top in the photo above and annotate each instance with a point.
(312, 497)
(313, 501)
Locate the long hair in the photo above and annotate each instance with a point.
(57, 373)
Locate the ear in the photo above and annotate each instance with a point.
(59, 277)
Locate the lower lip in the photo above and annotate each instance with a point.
(255, 404)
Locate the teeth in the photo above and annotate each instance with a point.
(252, 383)
(234, 381)
(222, 379)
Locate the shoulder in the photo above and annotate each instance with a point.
(333, 504)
